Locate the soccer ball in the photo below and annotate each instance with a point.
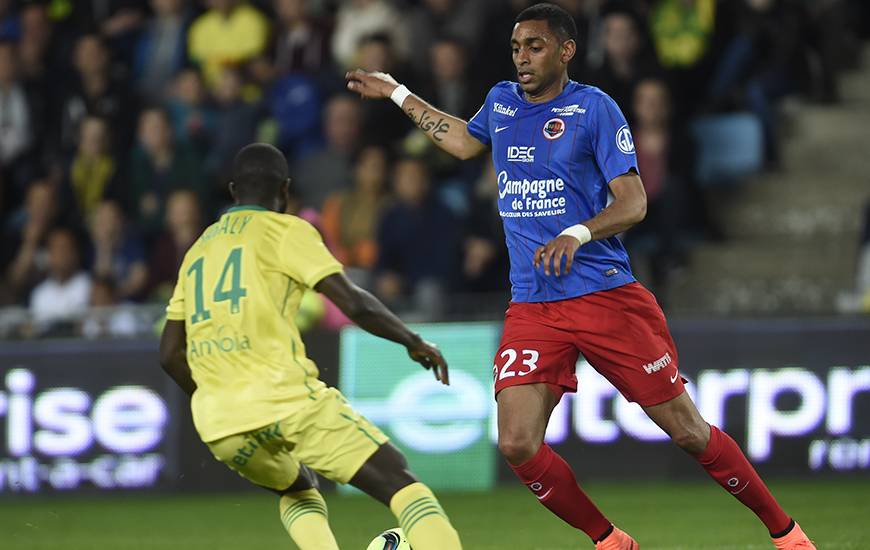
(391, 539)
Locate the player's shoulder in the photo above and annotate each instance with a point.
(295, 227)
(587, 91)
(503, 90)
(593, 95)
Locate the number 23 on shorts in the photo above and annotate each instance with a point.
(529, 360)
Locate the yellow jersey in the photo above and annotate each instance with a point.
(238, 291)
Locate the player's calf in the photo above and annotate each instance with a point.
(385, 477)
(523, 412)
(383, 474)
(720, 456)
(306, 520)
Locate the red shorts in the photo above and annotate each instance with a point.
(621, 332)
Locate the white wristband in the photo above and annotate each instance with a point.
(579, 232)
(400, 94)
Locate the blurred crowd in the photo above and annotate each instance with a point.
(119, 119)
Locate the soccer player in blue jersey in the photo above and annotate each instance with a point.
(568, 184)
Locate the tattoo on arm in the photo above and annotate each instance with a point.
(428, 124)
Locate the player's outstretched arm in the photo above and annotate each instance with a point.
(627, 209)
(446, 131)
(373, 316)
(173, 355)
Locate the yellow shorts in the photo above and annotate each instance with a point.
(328, 436)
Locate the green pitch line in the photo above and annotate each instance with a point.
(660, 516)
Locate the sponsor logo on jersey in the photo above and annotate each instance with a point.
(527, 198)
(520, 154)
(658, 364)
(568, 110)
(554, 128)
(624, 140)
(504, 109)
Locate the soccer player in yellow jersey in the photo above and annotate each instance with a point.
(231, 344)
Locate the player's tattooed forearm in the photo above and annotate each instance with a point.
(428, 124)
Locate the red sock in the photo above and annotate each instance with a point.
(727, 464)
(553, 482)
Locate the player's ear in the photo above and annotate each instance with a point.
(232, 187)
(569, 49)
(285, 196)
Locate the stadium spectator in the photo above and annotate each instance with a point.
(451, 87)
(16, 118)
(194, 119)
(350, 218)
(301, 43)
(235, 123)
(485, 263)
(161, 49)
(95, 91)
(293, 103)
(329, 169)
(685, 36)
(182, 226)
(64, 295)
(24, 241)
(159, 165)
(37, 62)
(92, 172)
(760, 62)
(105, 317)
(10, 23)
(117, 253)
(381, 124)
(682, 31)
(35, 46)
(664, 156)
(417, 221)
(624, 62)
(115, 19)
(432, 19)
(80, 75)
(489, 62)
(357, 19)
(229, 34)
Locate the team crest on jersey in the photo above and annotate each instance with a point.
(554, 128)
(624, 140)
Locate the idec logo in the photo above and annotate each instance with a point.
(520, 154)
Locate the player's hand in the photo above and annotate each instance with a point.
(428, 355)
(371, 85)
(551, 254)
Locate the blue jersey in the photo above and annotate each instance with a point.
(554, 162)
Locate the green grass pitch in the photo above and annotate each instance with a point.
(684, 516)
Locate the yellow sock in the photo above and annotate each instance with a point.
(423, 520)
(303, 514)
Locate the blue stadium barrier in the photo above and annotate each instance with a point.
(730, 147)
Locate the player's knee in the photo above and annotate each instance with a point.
(517, 447)
(692, 439)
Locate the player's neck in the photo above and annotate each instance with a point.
(240, 202)
(550, 92)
